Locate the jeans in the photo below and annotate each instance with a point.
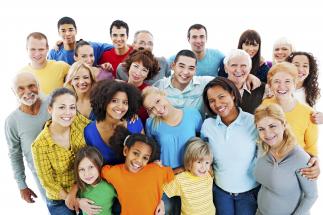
(58, 207)
(235, 204)
(172, 205)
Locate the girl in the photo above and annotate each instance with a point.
(55, 147)
(138, 182)
(250, 42)
(141, 65)
(232, 136)
(87, 168)
(194, 185)
(80, 78)
(113, 103)
(283, 189)
(84, 53)
(307, 87)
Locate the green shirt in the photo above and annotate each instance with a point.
(102, 194)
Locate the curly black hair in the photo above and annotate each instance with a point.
(146, 58)
(311, 84)
(103, 92)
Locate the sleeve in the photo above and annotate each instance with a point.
(51, 55)
(172, 188)
(166, 66)
(99, 49)
(44, 168)
(199, 121)
(311, 138)
(149, 123)
(170, 61)
(15, 153)
(121, 73)
(221, 71)
(105, 173)
(309, 190)
(262, 72)
(135, 127)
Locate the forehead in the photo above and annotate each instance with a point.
(120, 30)
(239, 59)
(85, 162)
(120, 95)
(82, 71)
(267, 120)
(282, 45)
(197, 32)
(66, 26)
(144, 36)
(151, 99)
(36, 43)
(282, 75)
(85, 49)
(142, 147)
(25, 80)
(215, 91)
(300, 58)
(186, 60)
(65, 99)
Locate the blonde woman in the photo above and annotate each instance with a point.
(80, 79)
(282, 79)
(282, 48)
(283, 189)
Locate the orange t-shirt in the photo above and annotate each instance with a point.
(138, 193)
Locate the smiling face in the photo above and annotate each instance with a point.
(85, 54)
(222, 103)
(118, 106)
(67, 32)
(271, 131)
(119, 37)
(201, 167)
(184, 70)
(282, 85)
(137, 73)
(197, 40)
(37, 51)
(137, 156)
(63, 110)
(303, 66)
(251, 48)
(81, 81)
(87, 171)
(143, 41)
(281, 52)
(26, 89)
(238, 69)
(157, 105)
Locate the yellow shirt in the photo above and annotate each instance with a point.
(55, 164)
(195, 192)
(51, 76)
(300, 122)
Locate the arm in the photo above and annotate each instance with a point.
(313, 170)
(253, 82)
(311, 138)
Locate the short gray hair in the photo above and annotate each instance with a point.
(236, 53)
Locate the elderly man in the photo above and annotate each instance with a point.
(22, 127)
(143, 40)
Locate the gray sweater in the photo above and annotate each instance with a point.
(283, 190)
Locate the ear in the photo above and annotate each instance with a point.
(225, 68)
(50, 110)
(173, 65)
(125, 151)
(75, 58)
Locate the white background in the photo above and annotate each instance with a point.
(301, 22)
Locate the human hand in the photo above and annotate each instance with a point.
(160, 210)
(313, 170)
(72, 202)
(317, 117)
(28, 195)
(89, 207)
(57, 44)
(253, 82)
(107, 66)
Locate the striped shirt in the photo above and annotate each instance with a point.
(53, 163)
(195, 192)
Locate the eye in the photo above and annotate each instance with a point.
(73, 107)
(146, 158)
(260, 129)
(61, 107)
(114, 100)
(76, 78)
(272, 126)
(81, 170)
(125, 102)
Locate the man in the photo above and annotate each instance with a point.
(183, 88)
(143, 40)
(22, 127)
(119, 32)
(208, 60)
(65, 51)
(50, 74)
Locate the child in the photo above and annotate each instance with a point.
(138, 182)
(87, 166)
(194, 185)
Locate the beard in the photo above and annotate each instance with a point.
(29, 99)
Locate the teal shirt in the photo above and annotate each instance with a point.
(102, 194)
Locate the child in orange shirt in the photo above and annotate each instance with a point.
(138, 182)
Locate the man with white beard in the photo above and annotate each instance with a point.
(22, 127)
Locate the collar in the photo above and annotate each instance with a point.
(237, 121)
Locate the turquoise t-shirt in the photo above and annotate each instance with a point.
(102, 194)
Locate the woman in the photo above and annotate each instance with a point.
(250, 42)
(237, 65)
(282, 48)
(113, 103)
(232, 136)
(55, 147)
(80, 79)
(283, 189)
(84, 52)
(141, 65)
(171, 128)
(307, 87)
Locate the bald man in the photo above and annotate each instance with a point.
(22, 127)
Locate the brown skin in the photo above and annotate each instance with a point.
(28, 195)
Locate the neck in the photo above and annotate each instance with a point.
(231, 117)
(33, 109)
(35, 65)
(299, 84)
(108, 123)
(200, 55)
(136, 84)
(287, 104)
(69, 46)
(83, 96)
(178, 85)
(172, 113)
(56, 128)
(122, 51)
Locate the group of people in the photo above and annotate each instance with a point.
(112, 129)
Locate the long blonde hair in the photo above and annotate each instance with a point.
(276, 112)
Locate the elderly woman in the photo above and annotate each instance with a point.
(282, 48)
(282, 79)
(237, 65)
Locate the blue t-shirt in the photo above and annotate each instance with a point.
(93, 138)
(208, 65)
(68, 55)
(172, 139)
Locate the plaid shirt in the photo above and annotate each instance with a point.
(53, 163)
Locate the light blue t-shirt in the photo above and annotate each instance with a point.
(209, 65)
(234, 151)
(68, 55)
(172, 139)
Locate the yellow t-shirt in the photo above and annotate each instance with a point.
(50, 77)
(299, 119)
(195, 192)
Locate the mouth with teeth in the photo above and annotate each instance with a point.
(135, 167)
(270, 140)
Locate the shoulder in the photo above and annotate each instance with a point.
(215, 52)
(43, 139)
(301, 157)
